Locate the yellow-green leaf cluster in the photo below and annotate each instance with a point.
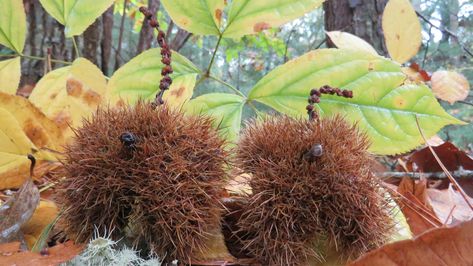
(68, 95)
(24, 130)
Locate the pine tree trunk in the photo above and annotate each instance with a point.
(359, 17)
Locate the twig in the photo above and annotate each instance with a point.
(450, 177)
(445, 30)
(465, 102)
(459, 174)
(120, 36)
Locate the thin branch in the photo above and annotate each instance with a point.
(459, 174)
(228, 85)
(450, 177)
(465, 102)
(120, 36)
(445, 30)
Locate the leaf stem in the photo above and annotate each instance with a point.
(207, 73)
(228, 85)
(76, 48)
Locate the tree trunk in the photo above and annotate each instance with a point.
(92, 42)
(106, 44)
(146, 33)
(359, 17)
(44, 33)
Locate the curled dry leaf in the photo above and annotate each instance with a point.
(441, 246)
(450, 206)
(17, 210)
(10, 254)
(450, 86)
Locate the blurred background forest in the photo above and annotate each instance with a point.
(119, 35)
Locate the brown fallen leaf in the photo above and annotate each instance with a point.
(441, 246)
(10, 254)
(450, 86)
(17, 210)
(449, 205)
(415, 205)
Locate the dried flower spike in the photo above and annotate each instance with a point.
(315, 95)
(166, 53)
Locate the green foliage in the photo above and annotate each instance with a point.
(76, 15)
(247, 17)
(383, 105)
(225, 108)
(140, 76)
(12, 25)
(10, 74)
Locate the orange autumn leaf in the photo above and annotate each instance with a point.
(10, 254)
(441, 246)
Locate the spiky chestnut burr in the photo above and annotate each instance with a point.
(311, 182)
(155, 172)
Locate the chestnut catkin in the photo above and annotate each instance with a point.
(311, 182)
(155, 172)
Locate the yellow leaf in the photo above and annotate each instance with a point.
(450, 86)
(10, 73)
(402, 30)
(69, 94)
(23, 130)
(345, 40)
(44, 214)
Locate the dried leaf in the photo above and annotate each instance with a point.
(17, 210)
(450, 86)
(452, 157)
(416, 207)
(53, 256)
(450, 206)
(441, 246)
(46, 212)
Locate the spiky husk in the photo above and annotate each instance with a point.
(166, 188)
(296, 204)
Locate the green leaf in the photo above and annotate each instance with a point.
(12, 25)
(225, 108)
(10, 74)
(197, 16)
(75, 15)
(383, 105)
(139, 78)
(250, 16)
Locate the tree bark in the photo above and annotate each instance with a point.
(44, 33)
(106, 44)
(92, 42)
(146, 33)
(359, 17)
